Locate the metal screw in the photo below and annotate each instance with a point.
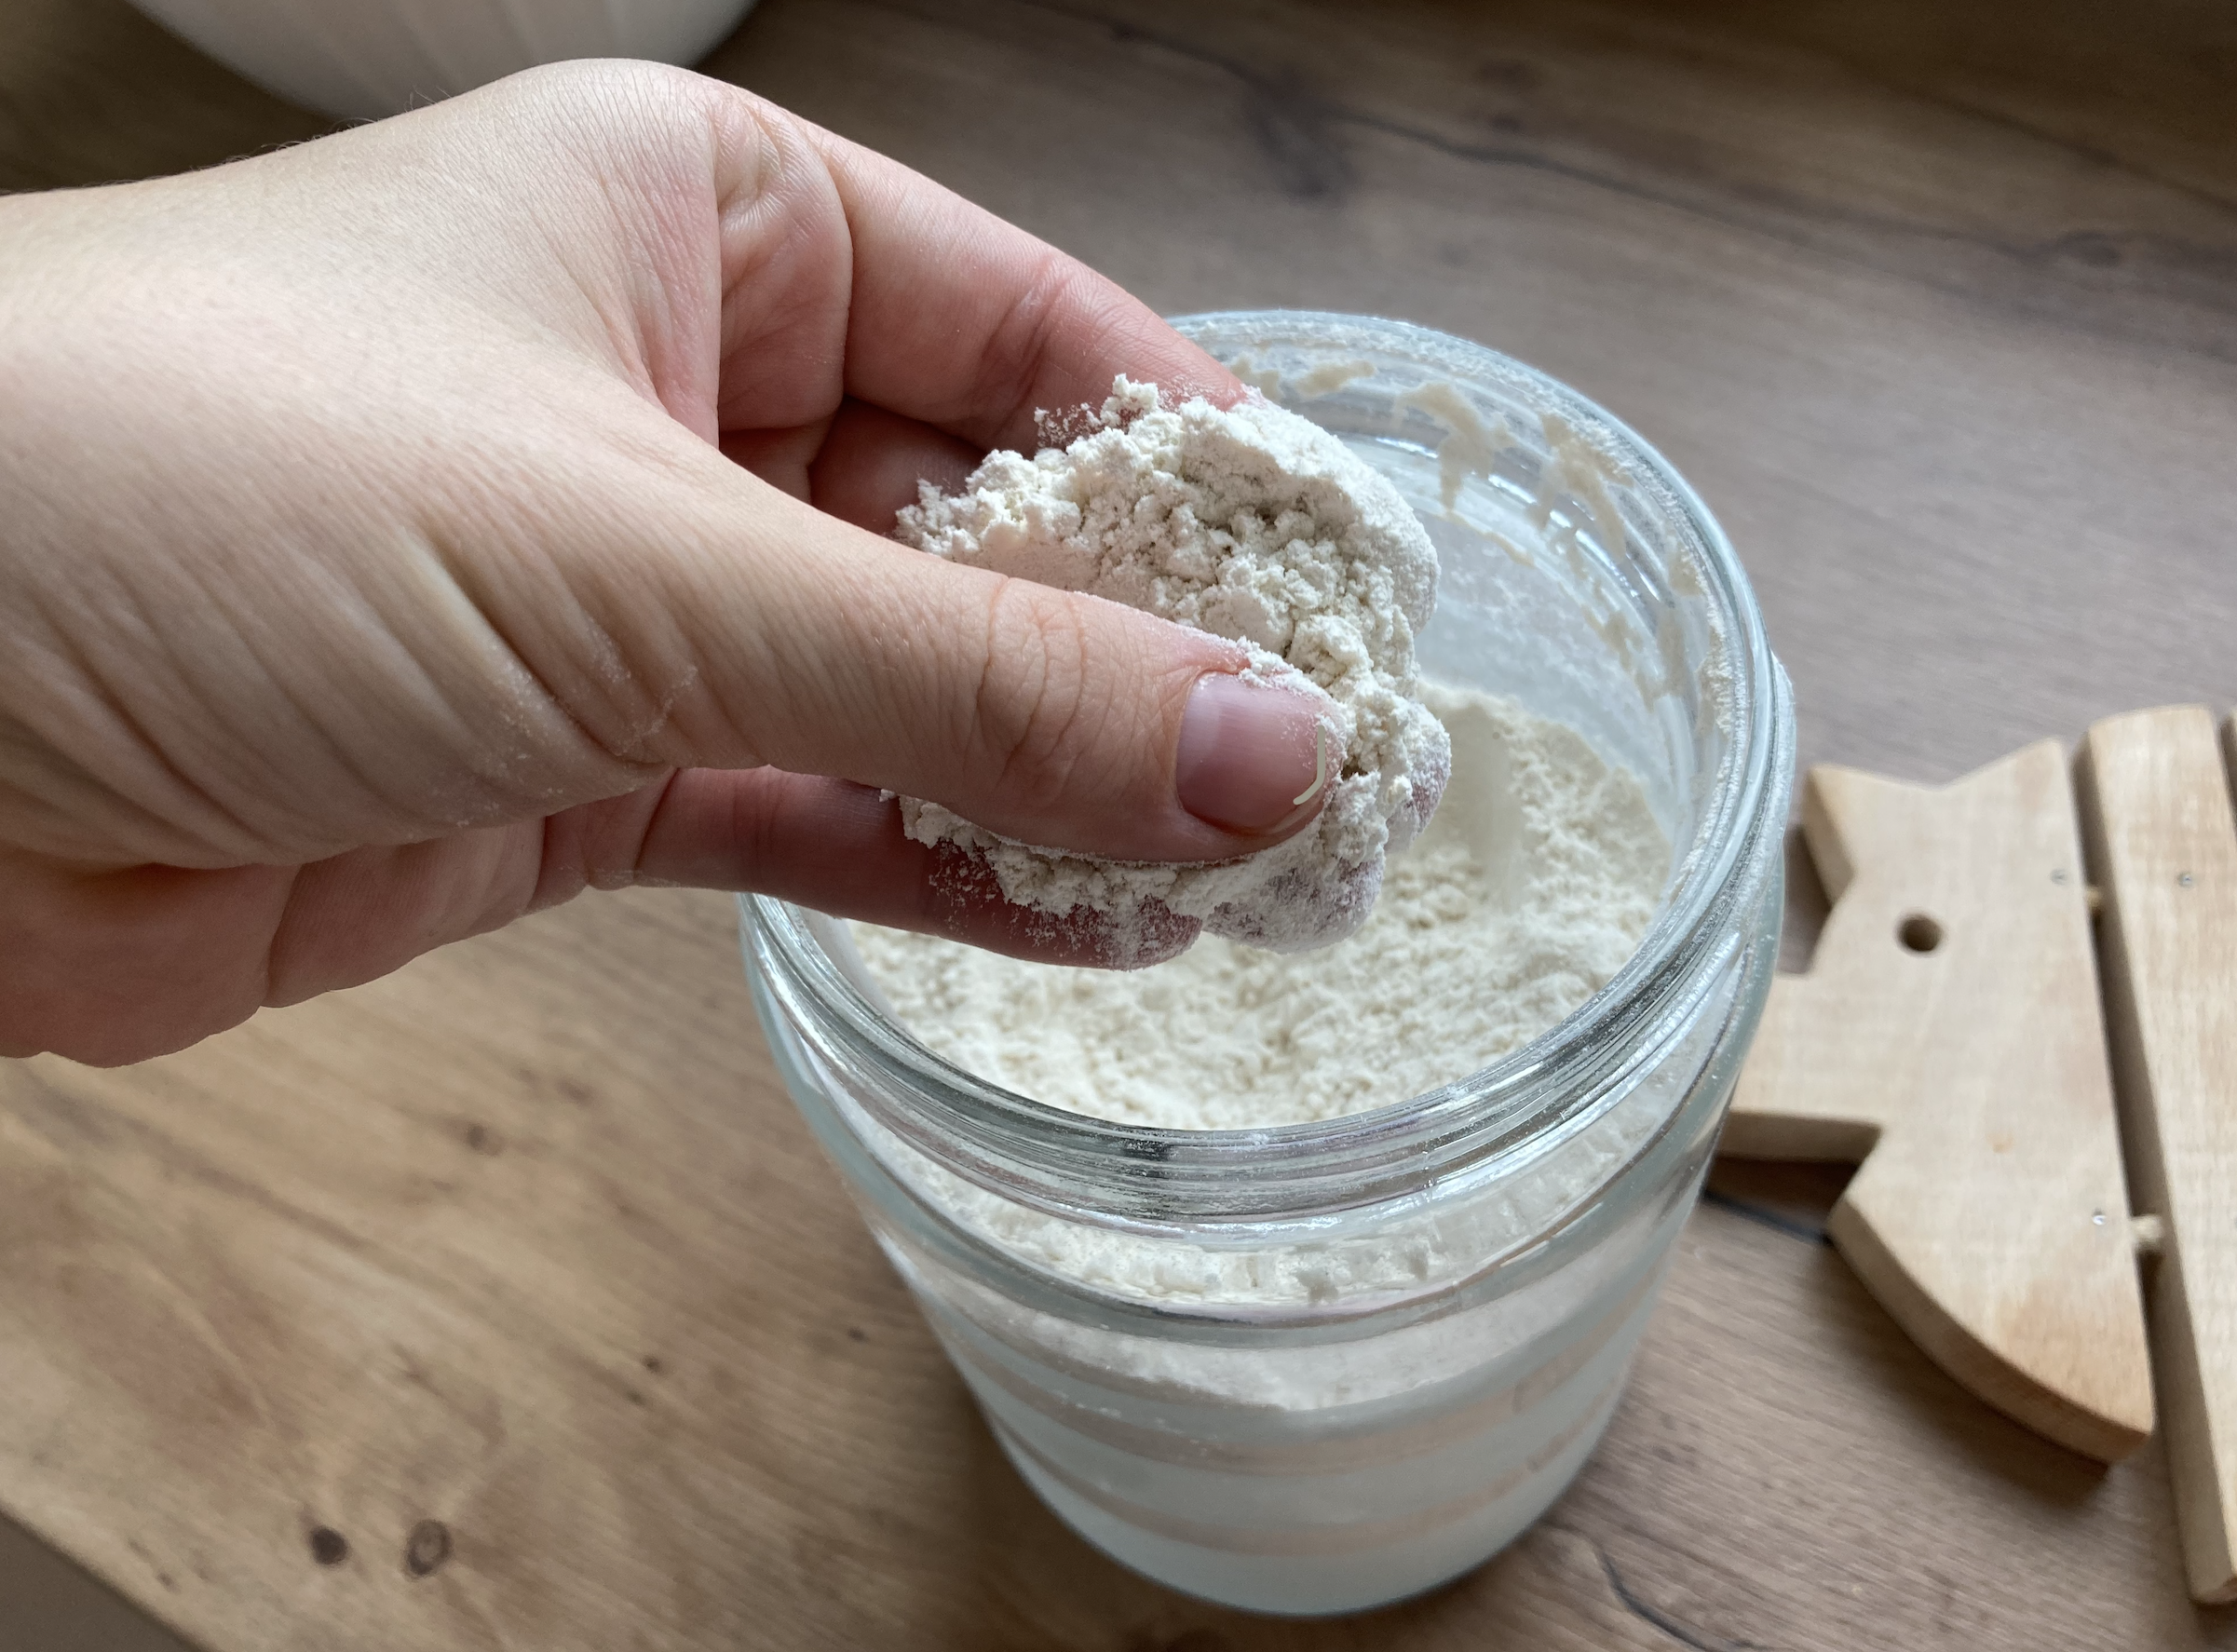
(2183, 878)
(2098, 1217)
(2059, 875)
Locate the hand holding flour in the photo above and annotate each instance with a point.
(401, 532)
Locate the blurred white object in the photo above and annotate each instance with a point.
(358, 59)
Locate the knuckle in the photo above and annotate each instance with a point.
(1059, 294)
(1033, 712)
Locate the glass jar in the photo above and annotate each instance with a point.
(1315, 1368)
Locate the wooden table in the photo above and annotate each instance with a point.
(447, 1313)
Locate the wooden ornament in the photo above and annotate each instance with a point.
(1948, 1038)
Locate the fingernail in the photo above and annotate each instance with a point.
(1250, 757)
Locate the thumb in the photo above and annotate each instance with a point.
(1052, 717)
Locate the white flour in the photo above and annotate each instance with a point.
(1255, 525)
(1529, 890)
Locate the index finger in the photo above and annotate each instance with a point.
(970, 324)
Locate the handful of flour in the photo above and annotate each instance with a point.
(1256, 525)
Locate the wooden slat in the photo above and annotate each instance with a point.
(1947, 1036)
(2164, 847)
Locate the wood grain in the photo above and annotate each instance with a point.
(2164, 847)
(1948, 1038)
(1938, 307)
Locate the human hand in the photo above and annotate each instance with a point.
(401, 532)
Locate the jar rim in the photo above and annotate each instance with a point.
(1109, 1171)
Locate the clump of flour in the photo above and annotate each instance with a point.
(1529, 890)
(1255, 525)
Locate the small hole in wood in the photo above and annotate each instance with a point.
(329, 1547)
(1919, 933)
(426, 1548)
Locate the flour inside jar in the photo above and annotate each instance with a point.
(1530, 887)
